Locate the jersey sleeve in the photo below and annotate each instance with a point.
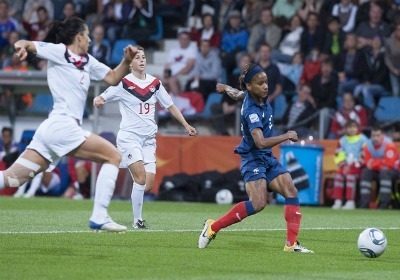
(50, 51)
(253, 120)
(163, 97)
(112, 93)
(98, 70)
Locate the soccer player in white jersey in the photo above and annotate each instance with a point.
(70, 69)
(137, 95)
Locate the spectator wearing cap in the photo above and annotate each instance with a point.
(234, 41)
(225, 10)
(264, 32)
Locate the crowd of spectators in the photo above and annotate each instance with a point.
(332, 47)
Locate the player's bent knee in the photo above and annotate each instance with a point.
(259, 205)
(20, 172)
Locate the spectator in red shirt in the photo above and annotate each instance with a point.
(208, 32)
(380, 157)
(350, 111)
(312, 67)
(43, 23)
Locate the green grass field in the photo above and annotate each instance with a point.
(46, 238)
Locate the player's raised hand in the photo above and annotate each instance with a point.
(221, 88)
(191, 130)
(20, 50)
(98, 102)
(129, 53)
(292, 136)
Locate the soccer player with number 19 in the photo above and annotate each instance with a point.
(259, 168)
(137, 95)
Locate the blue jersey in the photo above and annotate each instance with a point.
(254, 115)
(257, 163)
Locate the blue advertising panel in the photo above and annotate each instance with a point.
(304, 162)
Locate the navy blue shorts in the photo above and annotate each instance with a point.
(254, 167)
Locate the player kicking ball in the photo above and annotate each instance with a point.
(137, 95)
(260, 169)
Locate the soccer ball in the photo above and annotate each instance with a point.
(372, 242)
(224, 196)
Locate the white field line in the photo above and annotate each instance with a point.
(191, 230)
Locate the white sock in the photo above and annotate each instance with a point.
(105, 186)
(35, 184)
(21, 189)
(2, 186)
(137, 201)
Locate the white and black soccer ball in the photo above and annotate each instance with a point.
(224, 196)
(372, 242)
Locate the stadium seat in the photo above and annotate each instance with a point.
(279, 105)
(160, 30)
(212, 98)
(388, 109)
(118, 50)
(42, 104)
(26, 138)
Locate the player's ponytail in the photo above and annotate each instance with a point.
(65, 32)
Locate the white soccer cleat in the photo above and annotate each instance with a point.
(207, 234)
(296, 248)
(337, 204)
(349, 205)
(110, 226)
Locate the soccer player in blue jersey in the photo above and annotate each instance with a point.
(259, 168)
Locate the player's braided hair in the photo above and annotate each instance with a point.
(65, 32)
(242, 84)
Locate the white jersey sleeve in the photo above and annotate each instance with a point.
(113, 93)
(50, 51)
(163, 97)
(98, 70)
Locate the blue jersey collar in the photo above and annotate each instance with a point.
(254, 101)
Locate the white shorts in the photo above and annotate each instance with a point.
(56, 137)
(134, 148)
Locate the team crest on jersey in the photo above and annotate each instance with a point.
(143, 94)
(254, 118)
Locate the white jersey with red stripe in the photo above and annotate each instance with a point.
(68, 77)
(137, 103)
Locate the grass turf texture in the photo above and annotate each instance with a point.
(46, 238)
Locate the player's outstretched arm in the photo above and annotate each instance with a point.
(265, 143)
(22, 47)
(230, 91)
(98, 101)
(178, 115)
(115, 76)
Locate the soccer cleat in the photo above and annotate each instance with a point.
(139, 224)
(207, 234)
(349, 205)
(110, 226)
(337, 204)
(296, 248)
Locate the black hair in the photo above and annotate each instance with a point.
(65, 32)
(42, 8)
(242, 84)
(7, 129)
